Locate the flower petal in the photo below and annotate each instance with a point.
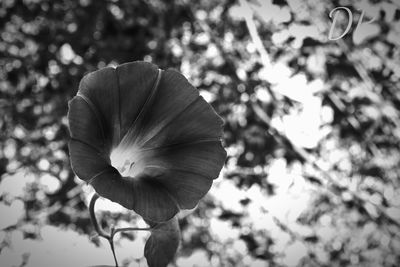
(111, 185)
(177, 115)
(186, 171)
(152, 200)
(174, 95)
(203, 157)
(196, 122)
(84, 125)
(100, 90)
(136, 80)
(86, 161)
(187, 188)
(145, 195)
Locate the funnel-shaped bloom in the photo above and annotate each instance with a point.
(144, 138)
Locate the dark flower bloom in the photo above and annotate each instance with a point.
(144, 138)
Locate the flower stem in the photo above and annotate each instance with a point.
(102, 233)
(111, 241)
(93, 218)
(129, 229)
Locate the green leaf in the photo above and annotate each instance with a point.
(163, 243)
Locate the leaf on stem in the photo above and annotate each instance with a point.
(163, 243)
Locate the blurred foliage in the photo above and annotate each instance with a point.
(312, 175)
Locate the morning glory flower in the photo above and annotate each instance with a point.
(145, 138)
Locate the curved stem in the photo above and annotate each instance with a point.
(98, 228)
(102, 233)
(129, 229)
(93, 218)
(111, 241)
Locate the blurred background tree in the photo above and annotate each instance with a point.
(311, 129)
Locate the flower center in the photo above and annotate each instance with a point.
(121, 162)
(126, 160)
